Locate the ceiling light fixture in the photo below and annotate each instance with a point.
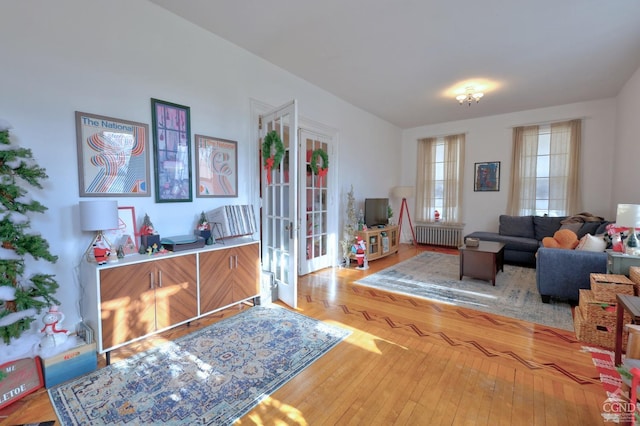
(471, 94)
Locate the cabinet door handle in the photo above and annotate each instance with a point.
(230, 262)
(236, 257)
(151, 280)
(160, 279)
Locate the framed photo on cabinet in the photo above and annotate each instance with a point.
(113, 156)
(487, 176)
(216, 167)
(125, 235)
(172, 151)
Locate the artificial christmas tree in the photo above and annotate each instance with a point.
(23, 293)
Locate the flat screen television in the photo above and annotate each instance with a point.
(376, 211)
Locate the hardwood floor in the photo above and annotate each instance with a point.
(410, 361)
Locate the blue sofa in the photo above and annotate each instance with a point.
(562, 273)
(559, 273)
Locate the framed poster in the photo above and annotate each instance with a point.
(216, 167)
(113, 156)
(487, 176)
(172, 149)
(125, 235)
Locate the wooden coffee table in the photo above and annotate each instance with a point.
(482, 262)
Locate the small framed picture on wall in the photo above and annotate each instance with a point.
(487, 176)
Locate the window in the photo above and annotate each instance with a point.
(544, 180)
(440, 177)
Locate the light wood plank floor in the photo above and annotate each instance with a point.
(413, 362)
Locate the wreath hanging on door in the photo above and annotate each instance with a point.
(321, 172)
(272, 161)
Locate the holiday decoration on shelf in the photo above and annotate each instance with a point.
(101, 252)
(321, 172)
(23, 292)
(147, 226)
(272, 161)
(203, 223)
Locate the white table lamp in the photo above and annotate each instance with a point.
(98, 216)
(628, 216)
(405, 192)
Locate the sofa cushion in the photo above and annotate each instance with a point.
(574, 226)
(510, 243)
(591, 243)
(602, 228)
(516, 226)
(546, 226)
(588, 228)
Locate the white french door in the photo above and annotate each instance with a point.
(316, 185)
(279, 203)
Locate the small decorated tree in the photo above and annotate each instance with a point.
(22, 293)
(350, 227)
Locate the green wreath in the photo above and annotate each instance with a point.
(314, 160)
(271, 138)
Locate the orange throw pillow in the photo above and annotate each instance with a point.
(563, 238)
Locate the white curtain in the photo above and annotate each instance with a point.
(564, 161)
(452, 179)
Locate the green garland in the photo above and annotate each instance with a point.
(271, 138)
(314, 160)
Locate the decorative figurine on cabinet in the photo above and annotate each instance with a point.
(101, 252)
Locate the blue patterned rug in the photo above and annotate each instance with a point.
(435, 276)
(209, 377)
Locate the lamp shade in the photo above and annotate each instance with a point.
(403, 191)
(98, 215)
(628, 215)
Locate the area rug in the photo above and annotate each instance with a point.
(209, 377)
(435, 276)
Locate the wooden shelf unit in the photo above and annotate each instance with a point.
(380, 242)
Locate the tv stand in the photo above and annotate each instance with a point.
(380, 242)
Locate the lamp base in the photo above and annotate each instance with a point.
(632, 245)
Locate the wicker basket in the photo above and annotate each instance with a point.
(634, 275)
(598, 312)
(606, 286)
(596, 334)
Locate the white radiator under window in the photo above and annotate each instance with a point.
(440, 234)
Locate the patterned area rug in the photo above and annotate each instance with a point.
(435, 276)
(212, 376)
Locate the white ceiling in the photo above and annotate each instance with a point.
(402, 60)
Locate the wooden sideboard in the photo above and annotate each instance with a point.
(141, 295)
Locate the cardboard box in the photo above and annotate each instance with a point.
(21, 377)
(69, 364)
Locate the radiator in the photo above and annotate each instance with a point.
(439, 234)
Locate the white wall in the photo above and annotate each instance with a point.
(626, 165)
(110, 58)
(490, 139)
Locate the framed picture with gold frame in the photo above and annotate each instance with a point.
(216, 167)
